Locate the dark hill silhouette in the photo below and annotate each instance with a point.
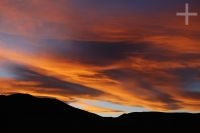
(26, 113)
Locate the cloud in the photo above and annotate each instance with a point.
(140, 84)
(43, 81)
(96, 52)
(126, 53)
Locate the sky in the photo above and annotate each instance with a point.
(107, 57)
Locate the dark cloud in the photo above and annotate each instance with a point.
(155, 94)
(101, 53)
(144, 89)
(105, 53)
(24, 73)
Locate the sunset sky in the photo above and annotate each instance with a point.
(105, 56)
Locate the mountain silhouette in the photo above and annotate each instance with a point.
(26, 113)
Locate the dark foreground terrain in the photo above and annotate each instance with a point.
(25, 113)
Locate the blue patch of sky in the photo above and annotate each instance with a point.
(5, 73)
(193, 86)
(115, 106)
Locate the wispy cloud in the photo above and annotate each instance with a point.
(124, 53)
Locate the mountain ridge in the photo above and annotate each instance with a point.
(47, 114)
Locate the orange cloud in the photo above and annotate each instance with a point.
(63, 50)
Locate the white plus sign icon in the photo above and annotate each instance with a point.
(186, 14)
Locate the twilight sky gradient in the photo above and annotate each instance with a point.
(105, 56)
